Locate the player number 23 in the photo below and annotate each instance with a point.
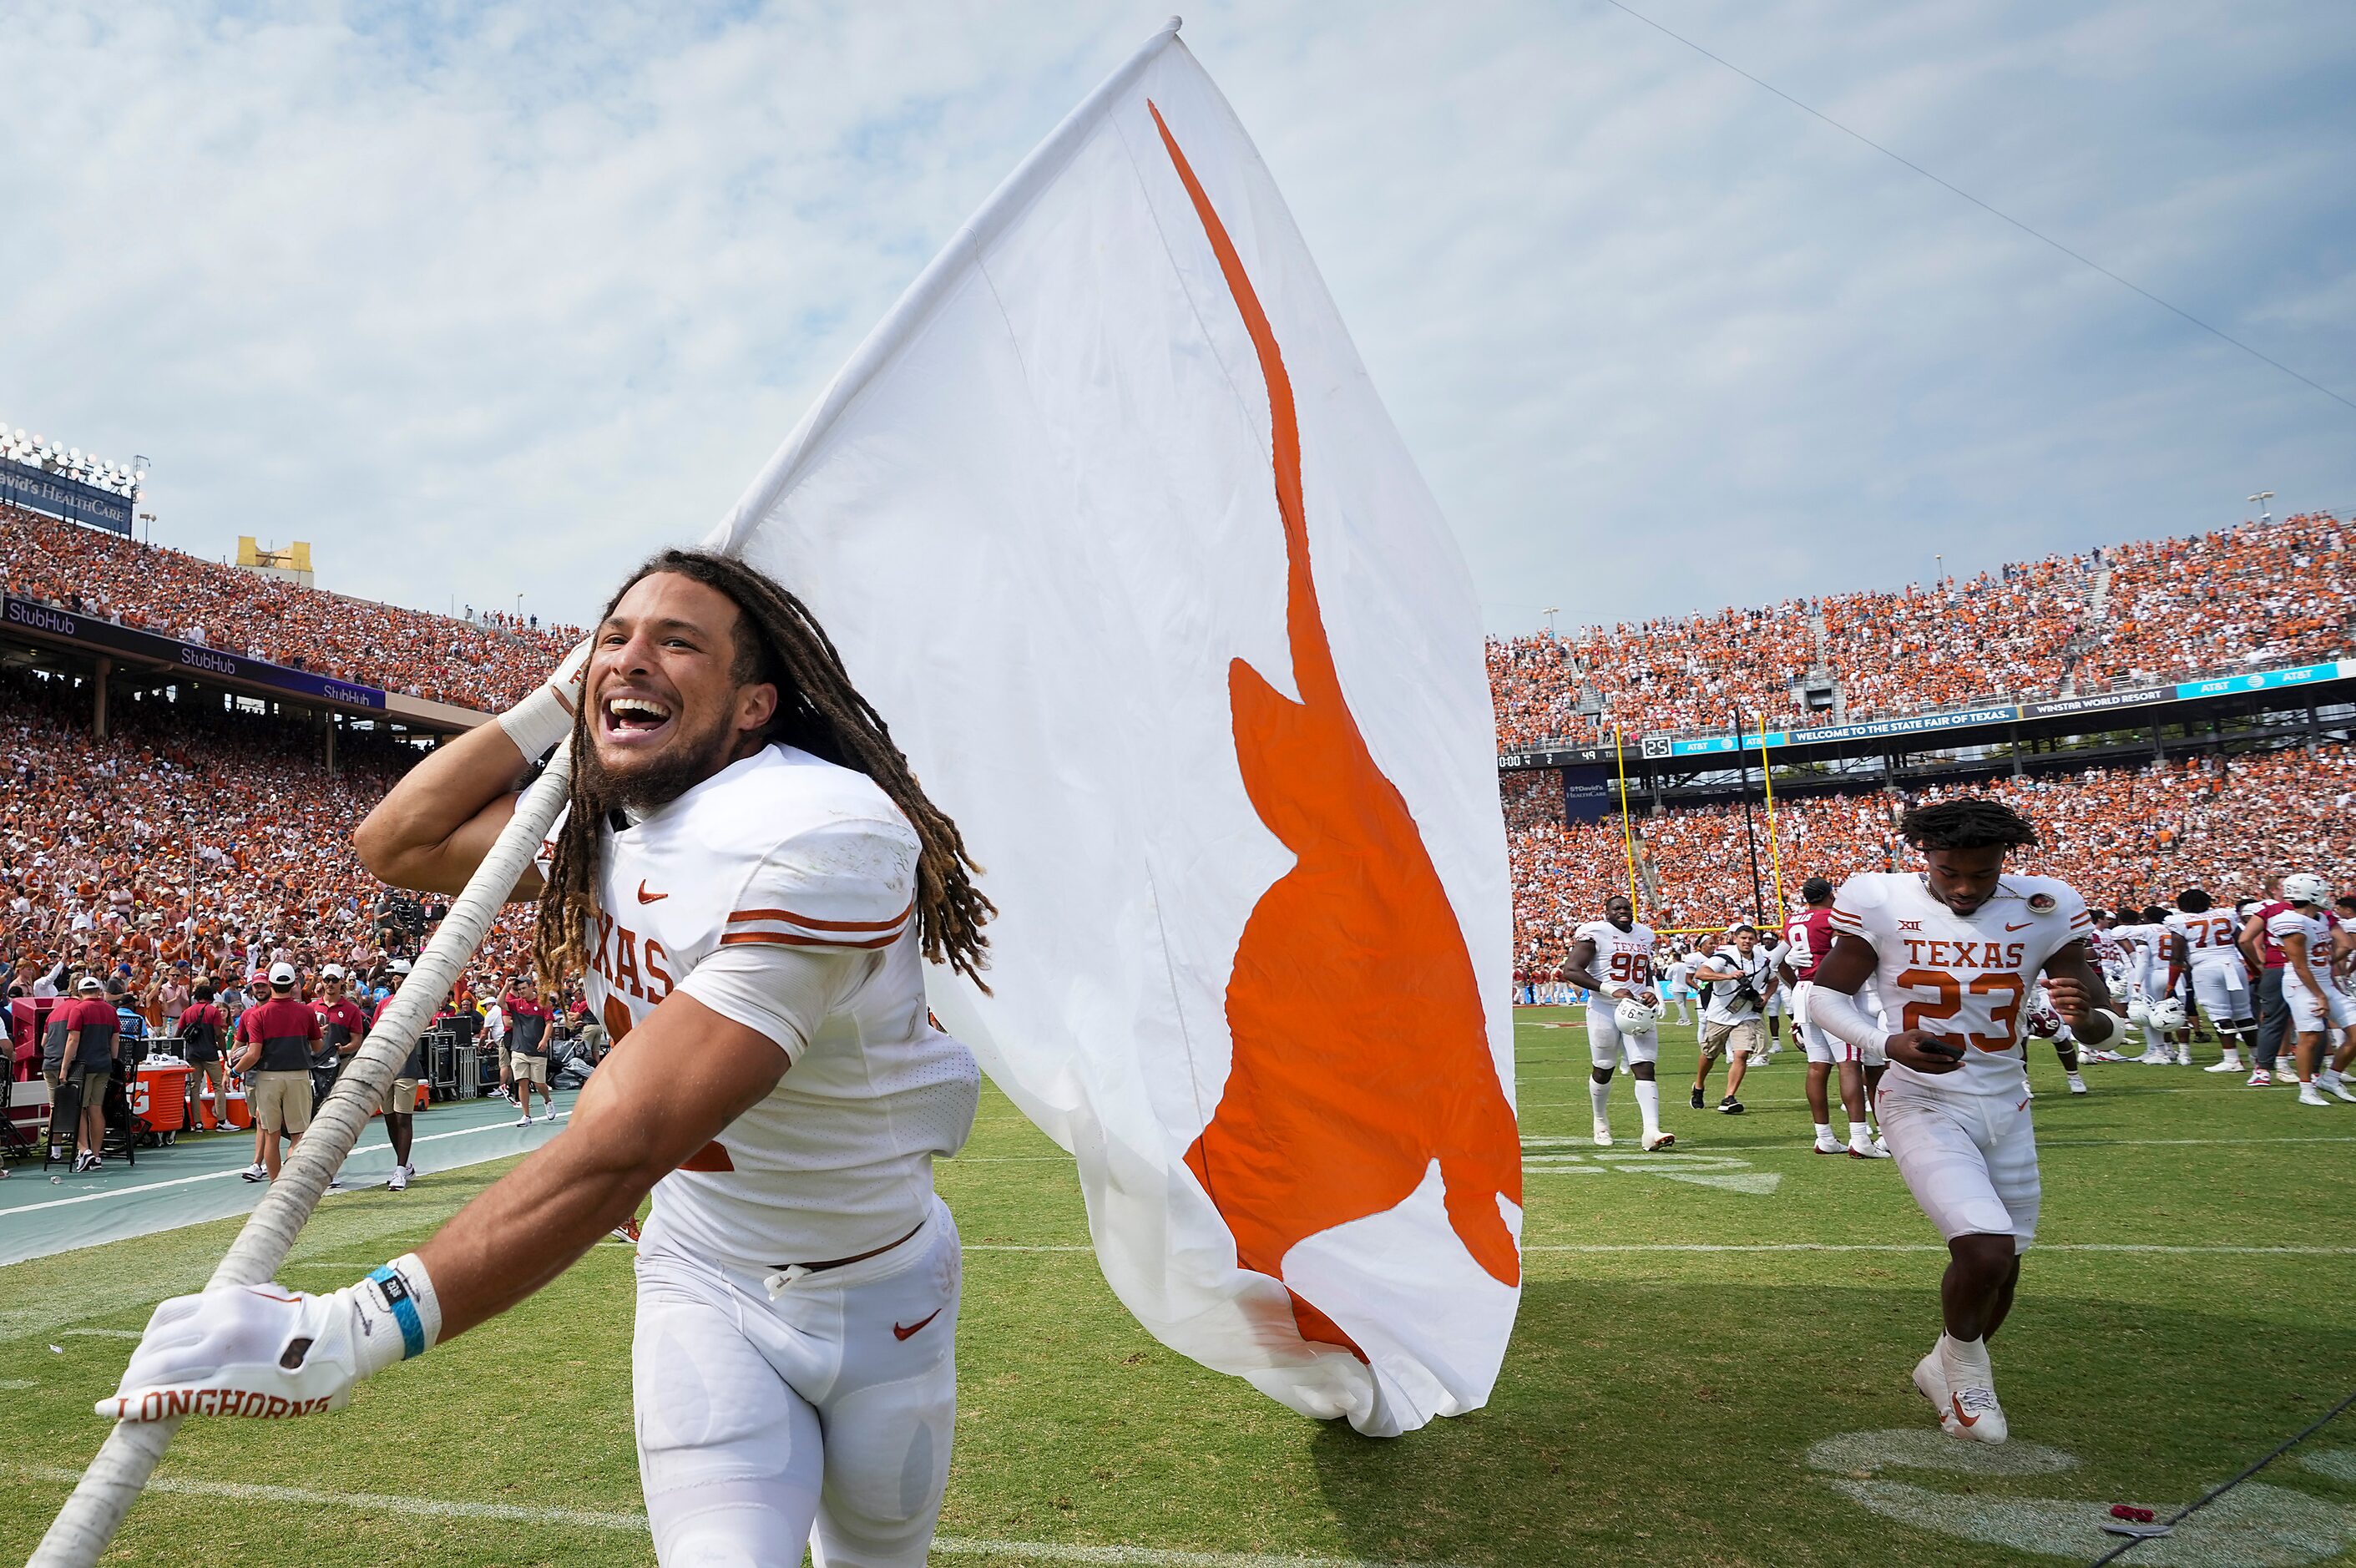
(1920, 1015)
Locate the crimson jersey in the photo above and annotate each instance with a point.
(1807, 938)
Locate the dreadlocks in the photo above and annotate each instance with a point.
(778, 642)
(1972, 822)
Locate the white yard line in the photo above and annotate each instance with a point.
(636, 1523)
(100, 1197)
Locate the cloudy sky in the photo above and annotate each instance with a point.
(488, 299)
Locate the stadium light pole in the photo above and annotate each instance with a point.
(2260, 500)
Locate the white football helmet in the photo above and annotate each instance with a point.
(2305, 887)
(2139, 1014)
(2168, 1013)
(1635, 1018)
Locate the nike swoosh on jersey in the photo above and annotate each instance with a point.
(900, 1333)
(646, 897)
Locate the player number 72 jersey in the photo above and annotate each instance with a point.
(1967, 978)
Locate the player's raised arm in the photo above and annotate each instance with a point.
(433, 828)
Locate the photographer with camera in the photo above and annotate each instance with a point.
(1738, 978)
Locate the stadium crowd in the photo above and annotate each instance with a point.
(189, 845)
(2122, 836)
(484, 663)
(2262, 593)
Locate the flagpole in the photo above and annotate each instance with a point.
(1774, 856)
(1627, 834)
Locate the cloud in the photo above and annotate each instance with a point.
(489, 300)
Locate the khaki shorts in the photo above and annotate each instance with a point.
(281, 1101)
(528, 1070)
(1748, 1038)
(93, 1085)
(401, 1099)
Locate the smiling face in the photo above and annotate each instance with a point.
(667, 706)
(1619, 911)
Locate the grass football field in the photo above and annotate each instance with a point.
(1711, 1367)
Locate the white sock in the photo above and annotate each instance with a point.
(1648, 1101)
(1823, 1132)
(1966, 1362)
(1860, 1135)
(1602, 1094)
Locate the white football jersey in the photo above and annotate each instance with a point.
(1966, 977)
(2208, 938)
(2316, 925)
(1621, 958)
(783, 854)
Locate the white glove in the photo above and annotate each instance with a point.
(261, 1350)
(545, 717)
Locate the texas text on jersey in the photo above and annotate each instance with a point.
(783, 852)
(1621, 958)
(1967, 977)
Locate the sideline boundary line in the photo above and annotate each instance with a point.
(947, 1545)
(237, 1170)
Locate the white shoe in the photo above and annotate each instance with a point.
(1656, 1139)
(1880, 1147)
(399, 1182)
(2231, 1064)
(549, 1114)
(2155, 1058)
(1975, 1415)
(2339, 1087)
(524, 1120)
(2077, 1084)
(2259, 1079)
(255, 1172)
(1873, 1151)
(2183, 1056)
(1829, 1145)
(1931, 1379)
(2310, 1095)
(1602, 1133)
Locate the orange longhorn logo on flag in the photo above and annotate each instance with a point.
(1361, 1048)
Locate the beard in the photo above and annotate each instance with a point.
(646, 783)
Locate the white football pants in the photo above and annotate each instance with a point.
(2223, 994)
(1970, 1160)
(831, 1404)
(1606, 1047)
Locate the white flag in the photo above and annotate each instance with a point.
(1110, 524)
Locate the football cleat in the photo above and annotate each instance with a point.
(1602, 1133)
(1880, 1147)
(399, 1182)
(1658, 1139)
(1828, 1144)
(1975, 1415)
(1877, 1150)
(1931, 1379)
(2077, 1084)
